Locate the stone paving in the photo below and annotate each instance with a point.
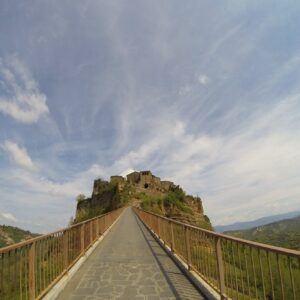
(129, 264)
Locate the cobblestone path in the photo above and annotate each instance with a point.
(129, 264)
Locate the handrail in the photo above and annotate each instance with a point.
(234, 267)
(280, 250)
(43, 236)
(28, 270)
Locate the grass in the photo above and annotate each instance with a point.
(248, 271)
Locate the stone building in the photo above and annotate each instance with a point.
(166, 185)
(117, 179)
(145, 180)
(133, 177)
(99, 186)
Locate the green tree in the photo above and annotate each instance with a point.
(80, 197)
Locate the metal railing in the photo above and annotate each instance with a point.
(235, 268)
(28, 270)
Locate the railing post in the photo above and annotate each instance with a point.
(100, 226)
(188, 245)
(164, 231)
(97, 228)
(91, 232)
(31, 271)
(221, 272)
(66, 249)
(82, 237)
(158, 227)
(172, 238)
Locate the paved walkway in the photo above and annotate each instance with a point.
(129, 264)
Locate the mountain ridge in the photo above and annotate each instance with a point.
(283, 233)
(257, 222)
(10, 235)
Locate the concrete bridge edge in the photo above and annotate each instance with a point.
(61, 284)
(195, 279)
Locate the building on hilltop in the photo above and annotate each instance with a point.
(117, 179)
(167, 185)
(145, 180)
(130, 190)
(133, 177)
(99, 186)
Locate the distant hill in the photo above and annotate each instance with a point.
(255, 223)
(10, 235)
(284, 233)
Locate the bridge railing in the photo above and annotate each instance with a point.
(235, 268)
(28, 270)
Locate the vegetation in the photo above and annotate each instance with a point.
(91, 213)
(173, 205)
(249, 271)
(80, 197)
(110, 199)
(125, 194)
(285, 233)
(10, 235)
(158, 204)
(118, 192)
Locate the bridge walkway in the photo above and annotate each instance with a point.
(129, 264)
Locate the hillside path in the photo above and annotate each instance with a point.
(129, 264)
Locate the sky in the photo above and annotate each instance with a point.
(203, 93)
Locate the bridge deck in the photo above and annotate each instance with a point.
(129, 264)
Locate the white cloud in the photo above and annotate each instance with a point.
(34, 183)
(19, 156)
(185, 90)
(246, 174)
(126, 172)
(22, 100)
(188, 88)
(242, 163)
(8, 217)
(203, 79)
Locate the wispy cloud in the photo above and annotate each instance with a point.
(8, 217)
(22, 99)
(203, 79)
(19, 156)
(184, 90)
(209, 100)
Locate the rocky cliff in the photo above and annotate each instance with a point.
(143, 189)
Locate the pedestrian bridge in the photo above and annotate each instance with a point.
(132, 254)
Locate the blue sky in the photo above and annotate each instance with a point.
(204, 93)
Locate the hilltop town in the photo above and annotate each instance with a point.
(145, 190)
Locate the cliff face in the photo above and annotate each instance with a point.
(143, 189)
(105, 197)
(192, 214)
